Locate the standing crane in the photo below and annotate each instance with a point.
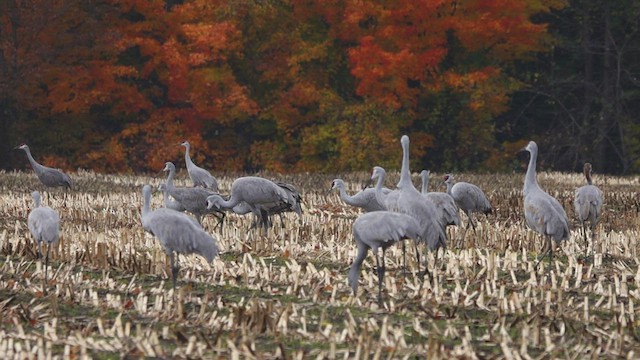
(379, 230)
(198, 175)
(588, 205)
(469, 198)
(412, 203)
(44, 225)
(445, 205)
(49, 177)
(543, 213)
(277, 208)
(177, 233)
(260, 195)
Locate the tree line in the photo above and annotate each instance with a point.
(295, 86)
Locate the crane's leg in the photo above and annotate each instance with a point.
(415, 246)
(546, 250)
(593, 235)
(39, 255)
(381, 270)
(220, 216)
(586, 242)
(426, 267)
(473, 224)
(404, 259)
(174, 269)
(46, 268)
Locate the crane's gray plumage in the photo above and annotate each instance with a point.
(588, 204)
(49, 177)
(412, 203)
(260, 195)
(379, 230)
(469, 198)
(44, 225)
(543, 213)
(275, 208)
(445, 204)
(365, 199)
(194, 200)
(198, 175)
(176, 232)
(170, 203)
(407, 199)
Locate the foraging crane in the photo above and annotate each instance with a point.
(49, 177)
(445, 205)
(44, 225)
(588, 205)
(198, 175)
(260, 195)
(365, 199)
(543, 213)
(274, 209)
(469, 198)
(379, 230)
(194, 200)
(177, 233)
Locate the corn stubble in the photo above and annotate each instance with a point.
(285, 295)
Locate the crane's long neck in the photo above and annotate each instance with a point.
(425, 183)
(32, 161)
(449, 186)
(228, 204)
(36, 199)
(344, 196)
(354, 271)
(380, 196)
(530, 181)
(146, 207)
(169, 182)
(587, 174)
(187, 158)
(405, 172)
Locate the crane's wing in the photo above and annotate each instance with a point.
(544, 214)
(44, 224)
(446, 207)
(588, 202)
(177, 232)
(382, 228)
(54, 177)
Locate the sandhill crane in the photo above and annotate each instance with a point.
(365, 199)
(445, 205)
(588, 205)
(49, 177)
(469, 198)
(44, 225)
(412, 203)
(543, 213)
(274, 209)
(198, 175)
(194, 200)
(177, 233)
(260, 194)
(170, 203)
(379, 230)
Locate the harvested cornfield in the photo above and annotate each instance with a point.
(285, 294)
